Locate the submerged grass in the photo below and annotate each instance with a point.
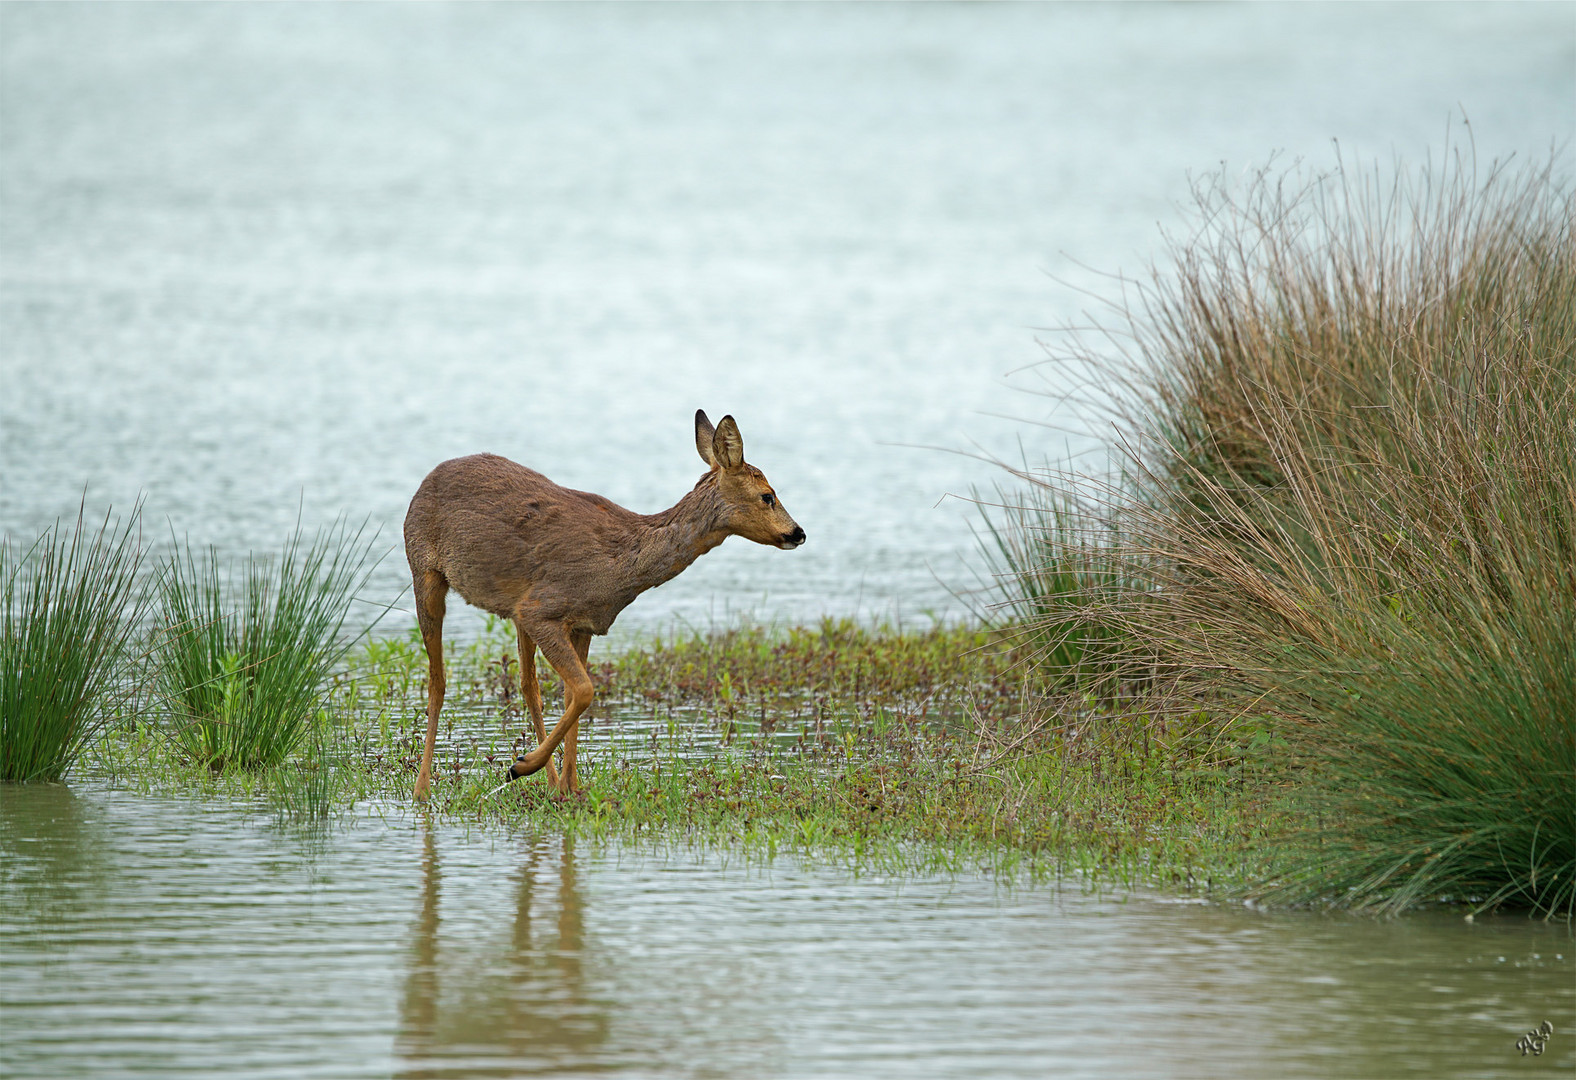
(72, 601)
(243, 675)
(1349, 514)
(805, 671)
(308, 789)
(876, 748)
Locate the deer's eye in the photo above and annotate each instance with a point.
(769, 499)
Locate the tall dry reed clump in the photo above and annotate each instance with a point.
(1348, 506)
(71, 604)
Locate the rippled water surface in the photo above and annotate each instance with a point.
(266, 260)
(160, 938)
(256, 259)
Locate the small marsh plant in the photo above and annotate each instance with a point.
(72, 603)
(1055, 579)
(243, 658)
(306, 790)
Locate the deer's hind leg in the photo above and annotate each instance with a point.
(431, 591)
(531, 691)
(554, 641)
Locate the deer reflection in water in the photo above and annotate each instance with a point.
(524, 1011)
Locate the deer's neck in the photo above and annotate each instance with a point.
(681, 534)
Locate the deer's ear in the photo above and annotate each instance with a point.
(703, 436)
(727, 445)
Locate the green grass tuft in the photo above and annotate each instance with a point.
(244, 675)
(1443, 766)
(72, 603)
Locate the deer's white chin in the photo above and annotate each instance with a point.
(789, 545)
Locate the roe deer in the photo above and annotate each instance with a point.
(561, 564)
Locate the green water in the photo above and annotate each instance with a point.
(154, 937)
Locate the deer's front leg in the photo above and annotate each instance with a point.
(570, 782)
(531, 691)
(554, 641)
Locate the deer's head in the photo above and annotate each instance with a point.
(751, 507)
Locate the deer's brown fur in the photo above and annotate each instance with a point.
(561, 564)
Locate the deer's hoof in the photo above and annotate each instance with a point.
(520, 768)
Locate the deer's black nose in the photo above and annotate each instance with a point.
(794, 539)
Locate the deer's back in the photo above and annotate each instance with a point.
(503, 534)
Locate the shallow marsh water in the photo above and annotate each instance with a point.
(258, 260)
(391, 947)
(261, 259)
